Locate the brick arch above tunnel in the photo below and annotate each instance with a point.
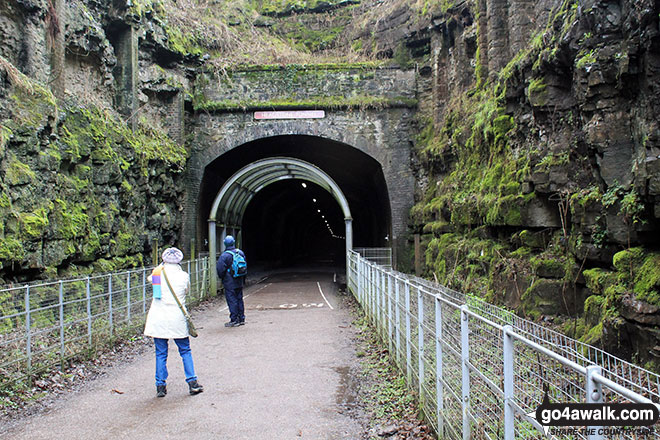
(382, 135)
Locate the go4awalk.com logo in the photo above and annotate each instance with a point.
(596, 418)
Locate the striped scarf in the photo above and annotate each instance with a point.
(155, 281)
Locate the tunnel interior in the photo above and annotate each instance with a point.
(296, 222)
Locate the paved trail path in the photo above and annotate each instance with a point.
(281, 376)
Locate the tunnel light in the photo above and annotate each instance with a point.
(304, 185)
(314, 200)
(318, 210)
(322, 216)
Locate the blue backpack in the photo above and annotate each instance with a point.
(238, 264)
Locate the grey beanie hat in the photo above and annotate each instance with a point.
(172, 255)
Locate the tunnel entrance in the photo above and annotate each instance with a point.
(286, 223)
(294, 223)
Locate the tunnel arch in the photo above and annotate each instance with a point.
(353, 181)
(236, 193)
(377, 141)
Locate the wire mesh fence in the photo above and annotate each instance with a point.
(478, 369)
(43, 325)
(380, 256)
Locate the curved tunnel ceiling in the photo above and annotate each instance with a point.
(235, 195)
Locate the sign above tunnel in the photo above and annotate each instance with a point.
(291, 114)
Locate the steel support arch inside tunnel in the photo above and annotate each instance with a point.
(237, 192)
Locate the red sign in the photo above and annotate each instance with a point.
(293, 114)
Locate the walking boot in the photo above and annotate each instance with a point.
(161, 390)
(194, 387)
(232, 324)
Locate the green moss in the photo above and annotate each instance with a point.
(11, 249)
(594, 310)
(585, 59)
(124, 242)
(33, 224)
(103, 136)
(594, 335)
(625, 260)
(532, 239)
(320, 67)
(321, 102)
(647, 280)
(549, 266)
(537, 92)
(31, 104)
(184, 42)
(286, 7)
(598, 279)
(70, 220)
(19, 173)
(5, 134)
(126, 186)
(4, 200)
(312, 40)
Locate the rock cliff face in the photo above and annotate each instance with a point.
(82, 187)
(540, 155)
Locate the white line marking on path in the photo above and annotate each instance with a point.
(324, 298)
(259, 289)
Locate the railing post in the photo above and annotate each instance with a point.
(110, 303)
(420, 342)
(594, 395)
(397, 336)
(408, 341)
(390, 324)
(439, 388)
(372, 294)
(144, 291)
(192, 291)
(128, 296)
(508, 350)
(28, 334)
(60, 297)
(88, 295)
(377, 300)
(381, 301)
(358, 281)
(465, 359)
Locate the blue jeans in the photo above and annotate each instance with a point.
(161, 359)
(234, 297)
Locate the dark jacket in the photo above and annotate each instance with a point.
(224, 264)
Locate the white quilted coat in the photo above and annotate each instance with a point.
(165, 319)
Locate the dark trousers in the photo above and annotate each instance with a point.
(234, 297)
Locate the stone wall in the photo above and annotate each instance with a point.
(356, 85)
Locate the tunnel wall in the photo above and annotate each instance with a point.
(382, 134)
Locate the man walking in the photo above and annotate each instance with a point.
(231, 269)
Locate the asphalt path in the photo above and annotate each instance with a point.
(283, 375)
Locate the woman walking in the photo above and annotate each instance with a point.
(165, 319)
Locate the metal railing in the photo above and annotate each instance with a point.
(380, 256)
(42, 325)
(479, 369)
